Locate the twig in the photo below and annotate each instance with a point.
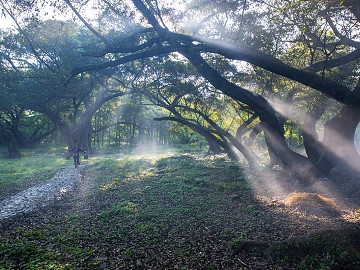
(242, 262)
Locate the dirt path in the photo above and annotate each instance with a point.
(41, 195)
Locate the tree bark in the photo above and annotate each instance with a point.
(77, 133)
(253, 134)
(226, 136)
(338, 143)
(354, 7)
(337, 149)
(313, 146)
(8, 140)
(12, 150)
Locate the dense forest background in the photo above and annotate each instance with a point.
(245, 76)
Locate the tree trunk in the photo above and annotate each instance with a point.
(214, 148)
(12, 151)
(312, 144)
(278, 149)
(248, 142)
(11, 144)
(339, 142)
(76, 133)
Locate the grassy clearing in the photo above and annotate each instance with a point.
(35, 166)
(151, 212)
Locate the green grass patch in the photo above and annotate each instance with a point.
(16, 174)
(25, 254)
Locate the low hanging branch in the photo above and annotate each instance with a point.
(245, 126)
(250, 157)
(212, 140)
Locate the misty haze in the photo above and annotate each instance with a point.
(190, 134)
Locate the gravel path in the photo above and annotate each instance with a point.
(41, 195)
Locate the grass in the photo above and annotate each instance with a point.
(148, 212)
(35, 166)
(145, 199)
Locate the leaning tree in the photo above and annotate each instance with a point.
(51, 49)
(157, 38)
(325, 32)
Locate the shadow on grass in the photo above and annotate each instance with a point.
(162, 212)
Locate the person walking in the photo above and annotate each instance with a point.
(76, 150)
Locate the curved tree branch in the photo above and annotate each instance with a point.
(326, 64)
(250, 157)
(124, 49)
(26, 37)
(343, 39)
(326, 86)
(96, 33)
(123, 60)
(199, 129)
(148, 14)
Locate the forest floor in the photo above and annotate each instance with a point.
(181, 212)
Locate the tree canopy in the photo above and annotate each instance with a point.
(225, 69)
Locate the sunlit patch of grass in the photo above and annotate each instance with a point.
(151, 172)
(124, 170)
(352, 216)
(151, 212)
(127, 208)
(19, 173)
(144, 199)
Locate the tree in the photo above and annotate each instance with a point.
(173, 86)
(19, 127)
(193, 46)
(329, 49)
(54, 48)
